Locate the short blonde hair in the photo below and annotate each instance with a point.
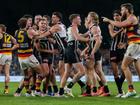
(3, 27)
(94, 16)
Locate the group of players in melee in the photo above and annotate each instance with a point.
(38, 42)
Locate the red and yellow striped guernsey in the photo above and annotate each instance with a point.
(25, 47)
(132, 34)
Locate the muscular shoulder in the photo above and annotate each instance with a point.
(133, 19)
(96, 30)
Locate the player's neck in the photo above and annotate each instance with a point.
(1, 35)
(128, 14)
(117, 20)
(23, 28)
(42, 31)
(74, 24)
(91, 24)
(59, 22)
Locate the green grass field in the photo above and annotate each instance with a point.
(11, 100)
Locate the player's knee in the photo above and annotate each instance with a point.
(65, 74)
(7, 79)
(7, 75)
(47, 72)
(115, 75)
(81, 73)
(61, 72)
(123, 67)
(61, 66)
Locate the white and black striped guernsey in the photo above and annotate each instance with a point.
(60, 37)
(71, 39)
(45, 44)
(92, 37)
(71, 54)
(120, 38)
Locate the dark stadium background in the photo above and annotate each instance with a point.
(12, 10)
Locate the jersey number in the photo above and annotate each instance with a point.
(7, 38)
(21, 36)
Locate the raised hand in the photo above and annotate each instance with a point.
(105, 19)
(54, 29)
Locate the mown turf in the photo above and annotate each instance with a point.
(11, 100)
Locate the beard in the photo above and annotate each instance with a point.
(79, 24)
(124, 17)
(88, 23)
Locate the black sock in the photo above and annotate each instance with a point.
(88, 89)
(82, 84)
(106, 89)
(61, 92)
(70, 85)
(18, 90)
(101, 83)
(6, 87)
(49, 89)
(33, 87)
(55, 88)
(94, 89)
(44, 89)
(122, 78)
(117, 80)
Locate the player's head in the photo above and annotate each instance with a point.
(2, 28)
(126, 8)
(47, 18)
(117, 15)
(22, 22)
(29, 20)
(42, 24)
(37, 19)
(35, 27)
(56, 17)
(93, 17)
(75, 18)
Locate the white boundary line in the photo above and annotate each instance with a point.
(18, 78)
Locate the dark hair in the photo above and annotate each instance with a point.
(3, 27)
(117, 12)
(58, 14)
(27, 16)
(22, 22)
(48, 17)
(38, 15)
(128, 6)
(73, 16)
